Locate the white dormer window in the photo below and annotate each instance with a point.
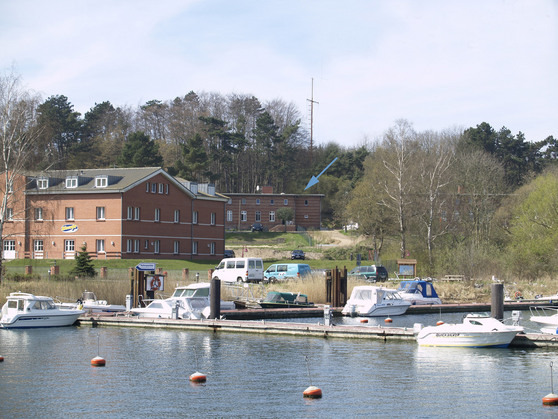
(71, 182)
(42, 183)
(101, 181)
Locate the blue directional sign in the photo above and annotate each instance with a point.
(146, 266)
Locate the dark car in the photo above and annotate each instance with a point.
(370, 273)
(297, 254)
(228, 254)
(257, 227)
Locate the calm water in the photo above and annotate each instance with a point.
(47, 373)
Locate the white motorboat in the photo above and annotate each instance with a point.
(172, 309)
(23, 310)
(89, 302)
(372, 301)
(187, 302)
(547, 316)
(549, 298)
(418, 292)
(476, 331)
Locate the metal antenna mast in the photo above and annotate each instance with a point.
(312, 101)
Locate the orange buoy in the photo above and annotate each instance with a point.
(364, 320)
(1, 358)
(388, 320)
(98, 361)
(198, 377)
(312, 392)
(550, 399)
(439, 323)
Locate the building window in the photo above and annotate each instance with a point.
(166, 188)
(258, 201)
(38, 246)
(42, 183)
(9, 245)
(69, 246)
(100, 246)
(129, 246)
(243, 201)
(136, 213)
(195, 248)
(101, 181)
(285, 202)
(272, 216)
(161, 188)
(212, 248)
(157, 215)
(305, 202)
(146, 244)
(153, 188)
(176, 247)
(9, 214)
(272, 202)
(243, 216)
(39, 214)
(176, 216)
(100, 213)
(130, 213)
(258, 216)
(136, 246)
(229, 215)
(157, 246)
(146, 186)
(71, 182)
(194, 217)
(69, 213)
(213, 218)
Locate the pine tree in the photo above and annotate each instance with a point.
(84, 265)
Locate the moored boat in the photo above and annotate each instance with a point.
(276, 299)
(89, 302)
(372, 301)
(418, 292)
(24, 310)
(476, 331)
(547, 316)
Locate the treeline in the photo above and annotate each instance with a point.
(453, 200)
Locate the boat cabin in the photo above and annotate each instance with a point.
(424, 288)
(286, 297)
(192, 290)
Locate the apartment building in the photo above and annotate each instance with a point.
(127, 213)
(244, 209)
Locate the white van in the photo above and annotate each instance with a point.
(240, 270)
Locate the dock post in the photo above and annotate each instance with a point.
(497, 301)
(215, 299)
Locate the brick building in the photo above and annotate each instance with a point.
(243, 210)
(118, 213)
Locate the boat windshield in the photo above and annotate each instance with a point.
(88, 295)
(43, 305)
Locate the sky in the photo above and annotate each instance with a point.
(441, 65)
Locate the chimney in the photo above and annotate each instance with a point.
(211, 189)
(267, 189)
(194, 187)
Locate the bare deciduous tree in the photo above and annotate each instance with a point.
(18, 138)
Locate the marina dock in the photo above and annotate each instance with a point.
(263, 326)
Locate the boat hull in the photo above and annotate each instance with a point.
(28, 321)
(465, 339)
(545, 320)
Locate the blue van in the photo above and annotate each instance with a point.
(282, 271)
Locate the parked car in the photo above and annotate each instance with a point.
(371, 273)
(228, 254)
(257, 227)
(282, 271)
(297, 254)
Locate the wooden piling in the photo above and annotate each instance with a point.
(215, 299)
